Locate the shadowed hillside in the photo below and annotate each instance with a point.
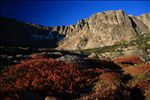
(15, 33)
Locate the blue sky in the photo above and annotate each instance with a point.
(52, 13)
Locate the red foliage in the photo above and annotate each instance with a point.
(107, 94)
(143, 85)
(129, 59)
(47, 75)
(133, 71)
(110, 76)
(108, 87)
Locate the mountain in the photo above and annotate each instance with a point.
(16, 33)
(99, 30)
(102, 29)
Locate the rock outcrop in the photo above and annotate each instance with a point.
(102, 29)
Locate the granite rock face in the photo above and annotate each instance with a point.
(145, 18)
(102, 29)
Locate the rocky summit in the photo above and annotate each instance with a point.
(102, 29)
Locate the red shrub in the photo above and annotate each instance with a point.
(110, 76)
(129, 59)
(49, 76)
(107, 94)
(108, 87)
(143, 85)
(133, 71)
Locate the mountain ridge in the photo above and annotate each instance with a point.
(99, 30)
(109, 26)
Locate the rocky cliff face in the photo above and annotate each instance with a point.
(145, 18)
(102, 29)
